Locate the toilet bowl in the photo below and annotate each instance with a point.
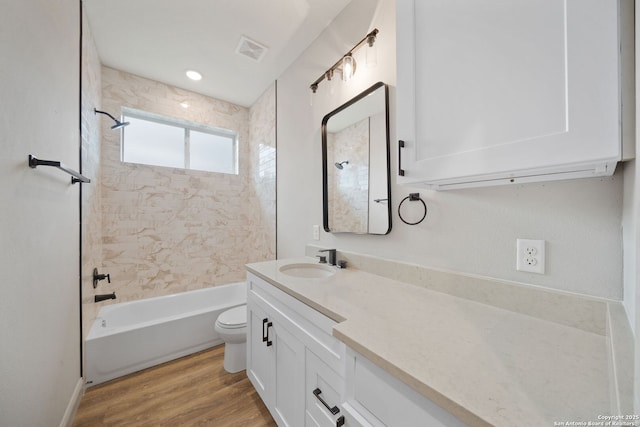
(231, 325)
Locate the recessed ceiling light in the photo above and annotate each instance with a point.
(184, 104)
(194, 75)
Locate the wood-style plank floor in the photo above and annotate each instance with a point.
(192, 391)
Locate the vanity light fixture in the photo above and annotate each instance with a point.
(347, 64)
(194, 75)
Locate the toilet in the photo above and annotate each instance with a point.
(232, 328)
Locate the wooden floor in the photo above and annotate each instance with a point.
(192, 391)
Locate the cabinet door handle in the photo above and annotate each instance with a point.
(264, 333)
(400, 147)
(269, 342)
(340, 421)
(334, 410)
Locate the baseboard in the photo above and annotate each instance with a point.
(72, 407)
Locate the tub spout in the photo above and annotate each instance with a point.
(103, 297)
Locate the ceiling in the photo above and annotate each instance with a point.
(161, 39)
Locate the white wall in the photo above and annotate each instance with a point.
(39, 223)
(471, 231)
(632, 284)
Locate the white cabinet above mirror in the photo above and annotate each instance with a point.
(504, 91)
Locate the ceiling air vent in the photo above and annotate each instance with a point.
(251, 49)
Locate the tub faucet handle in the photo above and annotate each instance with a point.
(97, 277)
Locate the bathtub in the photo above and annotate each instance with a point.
(131, 336)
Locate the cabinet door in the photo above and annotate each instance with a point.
(260, 357)
(499, 89)
(288, 404)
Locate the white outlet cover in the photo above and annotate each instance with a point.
(530, 255)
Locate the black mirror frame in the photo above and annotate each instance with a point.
(325, 189)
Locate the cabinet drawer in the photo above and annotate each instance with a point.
(324, 383)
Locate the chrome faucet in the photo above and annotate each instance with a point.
(332, 255)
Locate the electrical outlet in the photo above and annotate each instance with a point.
(316, 232)
(530, 255)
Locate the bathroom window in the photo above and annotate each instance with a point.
(152, 139)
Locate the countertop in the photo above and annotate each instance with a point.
(486, 365)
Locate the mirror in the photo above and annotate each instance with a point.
(355, 165)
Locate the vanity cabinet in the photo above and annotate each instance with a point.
(307, 377)
(275, 362)
(502, 91)
(293, 361)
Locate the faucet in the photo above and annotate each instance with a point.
(103, 297)
(97, 277)
(332, 255)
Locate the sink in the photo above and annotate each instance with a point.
(307, 270)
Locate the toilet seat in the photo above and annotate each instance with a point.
(234, 318)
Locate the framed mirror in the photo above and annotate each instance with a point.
(355, 165)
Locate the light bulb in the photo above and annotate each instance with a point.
(348, 67)
(314, 88)
(332, 86)
(371, 56)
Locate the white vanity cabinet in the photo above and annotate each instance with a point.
(293, 361)
(307, 377)
(503, 91)
(275, 362)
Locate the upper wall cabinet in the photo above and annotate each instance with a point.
(501, 91)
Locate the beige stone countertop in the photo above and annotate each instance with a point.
(486, 365)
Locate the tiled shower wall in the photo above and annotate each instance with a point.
(349, 187)
(167, 230)
(262, 137)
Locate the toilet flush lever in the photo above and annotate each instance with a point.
(97, 277)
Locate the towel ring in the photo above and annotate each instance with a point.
(413, 197)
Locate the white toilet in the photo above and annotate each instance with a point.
(232, 328)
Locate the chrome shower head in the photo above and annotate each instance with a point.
(118, 124)
(341, 164)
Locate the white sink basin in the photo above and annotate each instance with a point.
(307, 270)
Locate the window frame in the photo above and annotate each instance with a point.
(187, 126)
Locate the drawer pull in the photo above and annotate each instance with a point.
(333, 410)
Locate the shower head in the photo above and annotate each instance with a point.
(341, 164)
(118, 124)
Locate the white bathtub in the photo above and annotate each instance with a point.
(135, 335)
